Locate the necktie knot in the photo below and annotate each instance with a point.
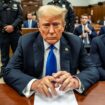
(52, 47)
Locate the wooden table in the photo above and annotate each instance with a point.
(95, 96)
(28, 30)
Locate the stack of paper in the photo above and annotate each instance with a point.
(63, 98)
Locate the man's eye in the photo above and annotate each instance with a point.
(55, 24)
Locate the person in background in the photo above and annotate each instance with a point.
(70, 16)
(97, 53)
(102, 22)
(11, 18)
(102, 30)
(77, 21)
(34, 17)
(50, 58)
(29, 23)
(85, 31)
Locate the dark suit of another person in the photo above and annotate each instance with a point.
(97, 53)
(11, 18)
(72, 57)
(78, 31)
(33, 24)
(102, 30)
(102, 22)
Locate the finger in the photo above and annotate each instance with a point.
(65, 84)
(50, 85)
(63, 78)
(40, 91)
(70, 86)
(46, 91)
(58, 74)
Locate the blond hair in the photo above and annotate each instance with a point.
(51, 11)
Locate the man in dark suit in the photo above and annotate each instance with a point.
(102, 30)
(50, 58)
(85, 31)
(97, 53)
(70, 16)
(29, 23)
(11, 18)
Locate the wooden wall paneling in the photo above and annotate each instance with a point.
(80, 10)
(98, 11)
(30, 6)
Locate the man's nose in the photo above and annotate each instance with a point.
(51, 29)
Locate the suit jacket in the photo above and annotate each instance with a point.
(78, 31)
(34, 24)
(97, 53)
(27, 61)
(102, 30)
(101, 22)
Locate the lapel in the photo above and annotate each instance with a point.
(38, 48)
(65, 55)
(27, 23)
(80, 29)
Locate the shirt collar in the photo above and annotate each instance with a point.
(30, 20)
(47, 45)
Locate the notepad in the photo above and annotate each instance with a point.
(63, 98)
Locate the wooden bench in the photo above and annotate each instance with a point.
(28, 30)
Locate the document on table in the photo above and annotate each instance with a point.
(63, 98)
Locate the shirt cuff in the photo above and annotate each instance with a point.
(81, 87)
(27, 90)
(90, 32)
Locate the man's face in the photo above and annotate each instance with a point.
(29, 16)
(51, 29)
(84, 19)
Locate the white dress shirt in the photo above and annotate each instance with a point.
(29, 23)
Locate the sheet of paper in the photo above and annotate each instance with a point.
(63, 98)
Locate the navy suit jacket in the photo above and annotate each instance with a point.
(101, 22)
(102, 30)
(97, 53)
(25, 24)
(27, 61)
(78, 31)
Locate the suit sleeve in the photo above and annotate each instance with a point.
(96, 58)
(88, 71)
(101, 31)
(14, 74)
(93, 32)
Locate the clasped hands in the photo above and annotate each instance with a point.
(48, 84)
